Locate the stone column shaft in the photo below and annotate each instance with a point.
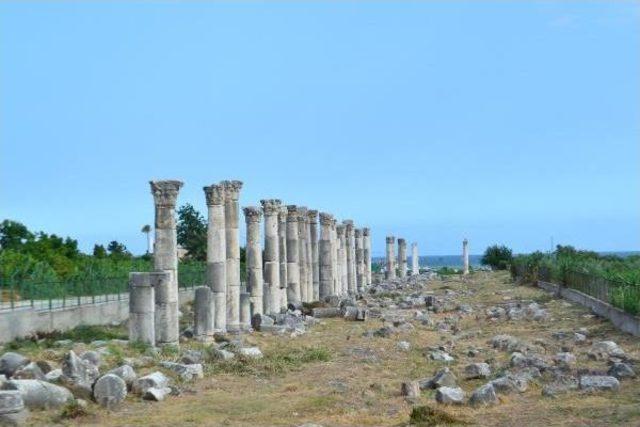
(359, 260)
(309, 257)
(282, 238)
(334, 258)
(165, 258)
(217, 254)
(342, 260)
(252, 216)
(272, 265)
(231, 214)
(325, 253)
(402, 257)
(293, 268)
(366, 240)
(391, 263)
(142, 305)
(415, 260)
(351, 262)
(302, 253)
(465, 257)
(313, 231)
(203, 312)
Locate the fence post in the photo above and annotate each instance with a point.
(11, 302)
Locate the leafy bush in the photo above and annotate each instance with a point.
(497, 257)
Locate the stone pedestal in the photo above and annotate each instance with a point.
(203, 312)
(252, 216)
(415, 260)
(315, 272)
(282, 238)
(391, 253)
(142, 305)
(217, 253)
(293, 268)
(465, 257)
(324, 248)
(165, 258)
(402, 258)
(231, 214)
(302, 253)
(351, 256)
(245, 310)
(271, 208)
(360, 280)
(342, 260)
(366, 240)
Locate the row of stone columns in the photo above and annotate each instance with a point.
(399, 265)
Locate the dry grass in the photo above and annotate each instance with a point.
(358, 382)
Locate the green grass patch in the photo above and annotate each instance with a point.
(426, 416)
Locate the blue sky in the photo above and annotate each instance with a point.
(505, 122)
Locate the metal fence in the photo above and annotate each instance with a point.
(619, 294)
(16, 293)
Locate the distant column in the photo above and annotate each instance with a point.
(465, 256)
(165, 258)
(271, 208)
(217, 253)
(366, 240)
(282, 238)
(313, 230)
(324, 248)
(342, 260)
(351, 262)
(142, 305)
(402, 257)
(302, 253)
(231, 213)
(391, 253)
(359, 260)
(203, 312)
(253, 250)
(415, 260)
(334, 259)
(293, 269)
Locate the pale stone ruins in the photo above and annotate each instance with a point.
(217, 253)
(465, 257)
(402, 258)
(415, 260)
(391, 254)
(231, 214)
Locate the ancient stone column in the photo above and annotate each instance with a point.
(165, 258)
(253, 216)
(359, 260)
(142, 305)
(282, 238)
(391, 262)
(203, 312)
(465, 257)
(293, 268)
(324, 249)
(313, 230)
(302, 253)
(415, 260)
(334, 257)
(351, 255)
(366, 242)
(402, 257)
(271, 208)
(245, 310)
(342, 260)
(217, 253)
(231, 214)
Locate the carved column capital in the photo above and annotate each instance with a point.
(391, 239)
(165, 193)
(326, 219)
(252, 214)
(214, 194)
(312, 216)
(271, 206)
(366, 231)
(358, 232)
(292, 213)
(232, 189)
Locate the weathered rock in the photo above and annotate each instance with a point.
(477, 370)
(10, 362)
(621, 370)
(355, 313)
(605, 349)
(598, 383)
(484, 395)
(450, 395)
(92, 357)
(509, 384)
(154, 380)
(443, 378)
(260, 321)
(38, 394)
(560, 386)
(403, 345)
(30, 371)
(79, 375)
(45, 366)
(192, 356)
(186, 372)
(250, 352)
(505, 342)
(127, 373)
(12, 409)
(54, 376)
(110, 390)
(156, 394)
(219, 354)
(564, 359)
(441, 356)
(326, 312)
(519, 360)
(410, 389)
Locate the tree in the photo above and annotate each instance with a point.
(99, 251)
(14, 234)
(192, 232)
(117, 250)
(146, 229)
(497, 257)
